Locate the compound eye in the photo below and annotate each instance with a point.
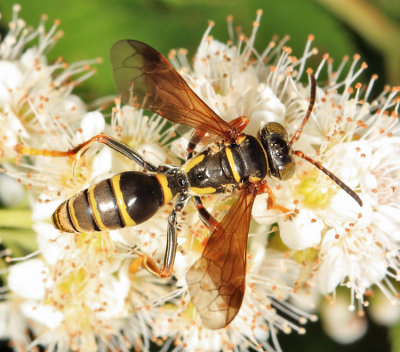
(287, 169)
(276, 129)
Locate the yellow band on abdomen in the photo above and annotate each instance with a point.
(163, 181)
(95, 208)
(72, 213)
(205, 190)
(119, 197)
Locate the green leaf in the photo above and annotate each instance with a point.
(395, 337)
(91, 27)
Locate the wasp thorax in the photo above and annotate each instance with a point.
(274, 139)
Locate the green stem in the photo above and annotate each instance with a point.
(20, 241)
(16, 218)
(395, 337)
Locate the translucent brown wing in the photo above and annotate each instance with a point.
(143, 76)
(216, 280)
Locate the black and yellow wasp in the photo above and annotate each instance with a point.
(236, 163)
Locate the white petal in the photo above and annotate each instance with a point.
(179, 146)
(331, 271)
(271, 102)
(153, 153)
(27, 279)
(343, 209)
(384, 149)
(388, 220)
(11, 191)
(114, 292)
(92, 124)
(46, 315)
(259, 118)
(12, 322)
(102, 164)
(30, 56)
(10, 78)
(42, 211)
(71, 106)
(260, 212)
(302, 232)
(51, 243)
(372, 270)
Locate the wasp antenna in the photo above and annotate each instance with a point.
(297, 134)
(337, 180)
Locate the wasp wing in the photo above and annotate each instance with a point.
(145, 78)
(216, 280)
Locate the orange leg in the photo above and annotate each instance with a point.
(239, 123)
(76, 152)
(271, 203)
(147, 263)
(80, 149)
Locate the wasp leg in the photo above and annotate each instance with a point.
(172, 244)
(271, 203)
(80, 149)
(194, 140)
(239, 124)
(204, 214)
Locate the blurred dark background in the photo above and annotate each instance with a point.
(341, 27)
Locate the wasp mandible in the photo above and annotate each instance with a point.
(237, 163)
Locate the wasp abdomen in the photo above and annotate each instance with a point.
(126, 199)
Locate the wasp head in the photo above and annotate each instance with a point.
(274, 139)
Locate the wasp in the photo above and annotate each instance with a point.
(236, 163)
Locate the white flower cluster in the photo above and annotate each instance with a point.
(90, 292)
